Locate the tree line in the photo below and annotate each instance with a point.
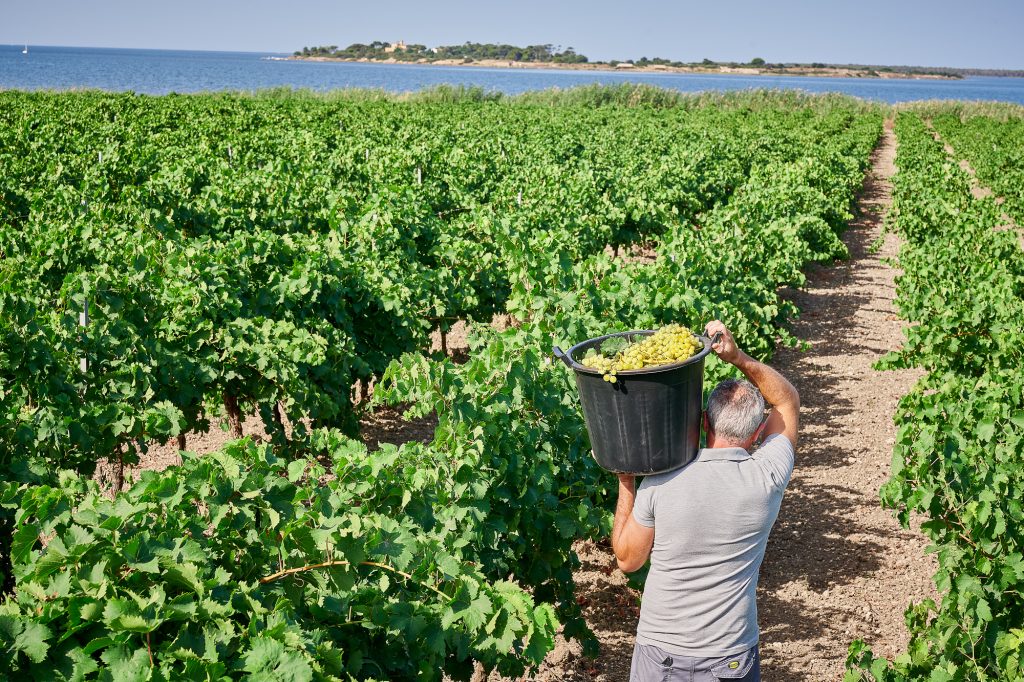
(467, 52)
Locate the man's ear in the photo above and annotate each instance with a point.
(757, 434)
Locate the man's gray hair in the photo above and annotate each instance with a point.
(735, 410)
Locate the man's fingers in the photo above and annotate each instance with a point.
(716, 328)
(713, 327)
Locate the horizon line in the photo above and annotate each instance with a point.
(292, 52)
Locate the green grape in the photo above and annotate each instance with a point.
(667, 345)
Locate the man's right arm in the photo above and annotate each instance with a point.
(777, 391)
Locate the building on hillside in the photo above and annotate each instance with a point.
(400, 45)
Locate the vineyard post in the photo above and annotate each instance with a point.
(83, 321)
(419, 175)
(519, 198)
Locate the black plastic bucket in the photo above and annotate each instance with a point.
(648, 421)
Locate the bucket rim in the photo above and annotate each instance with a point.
(580, 369)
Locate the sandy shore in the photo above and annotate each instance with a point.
(826, 72)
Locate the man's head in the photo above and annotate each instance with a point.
(735, 415)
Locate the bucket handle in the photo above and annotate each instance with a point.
(716, 338)
(561, 355)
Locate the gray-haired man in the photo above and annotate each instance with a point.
(705, 528)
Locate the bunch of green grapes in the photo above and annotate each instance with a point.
(669, 344)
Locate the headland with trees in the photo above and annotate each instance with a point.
(555, 56)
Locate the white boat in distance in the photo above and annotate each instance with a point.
(25, 51)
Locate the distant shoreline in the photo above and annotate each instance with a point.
(816, 72)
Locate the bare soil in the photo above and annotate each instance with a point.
(644, 254)
(838, 566)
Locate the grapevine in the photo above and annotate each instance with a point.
(958, 455)
(241, 254)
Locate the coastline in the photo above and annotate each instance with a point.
(826, 72)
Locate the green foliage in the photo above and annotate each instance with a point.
(244, 562)
(959, 455)
(379, 50)
(271, 250)
(995, 150)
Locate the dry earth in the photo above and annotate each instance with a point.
(839, 567)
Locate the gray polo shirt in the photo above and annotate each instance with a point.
(711, 521)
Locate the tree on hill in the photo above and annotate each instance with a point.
(466, 52)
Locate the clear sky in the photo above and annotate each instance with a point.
(983, 33)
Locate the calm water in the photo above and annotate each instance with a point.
(162, 71)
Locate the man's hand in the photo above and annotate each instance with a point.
(777, 391)
(725, 348)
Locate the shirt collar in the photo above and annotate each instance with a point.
(723, 455)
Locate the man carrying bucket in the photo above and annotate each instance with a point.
(705, 527)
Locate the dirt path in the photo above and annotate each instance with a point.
(839, 567)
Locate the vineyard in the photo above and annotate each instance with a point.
(959, 454)
(173, 263)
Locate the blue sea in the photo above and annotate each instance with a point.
(163, 71)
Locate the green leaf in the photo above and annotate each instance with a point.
(983, 610)
(32, 640)
(296, 469)
(986, 429)
(268, 660)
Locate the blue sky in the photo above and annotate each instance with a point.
(986, 33)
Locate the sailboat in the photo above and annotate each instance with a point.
(25, 51)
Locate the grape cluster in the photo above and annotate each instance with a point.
(669, 344)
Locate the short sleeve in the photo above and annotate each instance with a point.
(776, 457)
(643, 505)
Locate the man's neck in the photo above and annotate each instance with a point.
(715, 443)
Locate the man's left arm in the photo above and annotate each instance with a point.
(631, 540)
